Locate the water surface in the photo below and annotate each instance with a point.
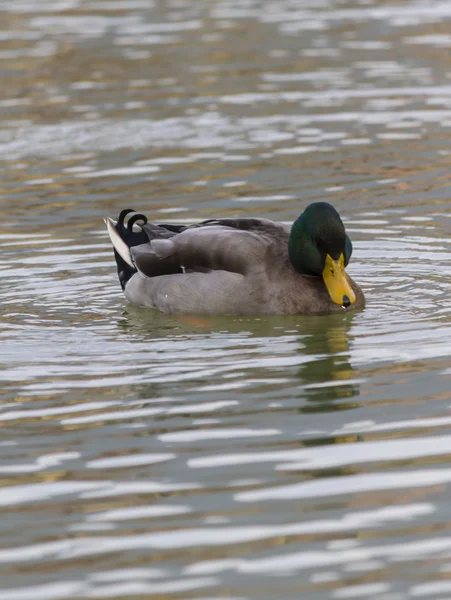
(144, 455)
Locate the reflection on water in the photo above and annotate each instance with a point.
(329, 381)
(147, 455)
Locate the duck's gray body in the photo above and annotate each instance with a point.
(221, 267)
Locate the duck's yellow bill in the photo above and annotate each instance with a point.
(337, 282)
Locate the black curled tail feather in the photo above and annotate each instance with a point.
(131, 238)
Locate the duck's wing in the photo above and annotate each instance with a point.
(238, 246)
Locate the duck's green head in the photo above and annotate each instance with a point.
(319, 246)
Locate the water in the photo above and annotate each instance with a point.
(151, 456)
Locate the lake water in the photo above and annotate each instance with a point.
(147, 456)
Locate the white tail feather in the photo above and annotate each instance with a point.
(119, 245)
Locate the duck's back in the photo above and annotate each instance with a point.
(240, 246)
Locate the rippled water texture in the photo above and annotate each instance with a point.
(234, 458)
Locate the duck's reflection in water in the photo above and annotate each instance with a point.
(329, 382)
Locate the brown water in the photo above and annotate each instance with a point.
(235, 458)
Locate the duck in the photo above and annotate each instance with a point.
(237, 266)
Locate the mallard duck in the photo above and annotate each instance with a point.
(242, 266)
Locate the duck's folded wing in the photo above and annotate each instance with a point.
(203, 249)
